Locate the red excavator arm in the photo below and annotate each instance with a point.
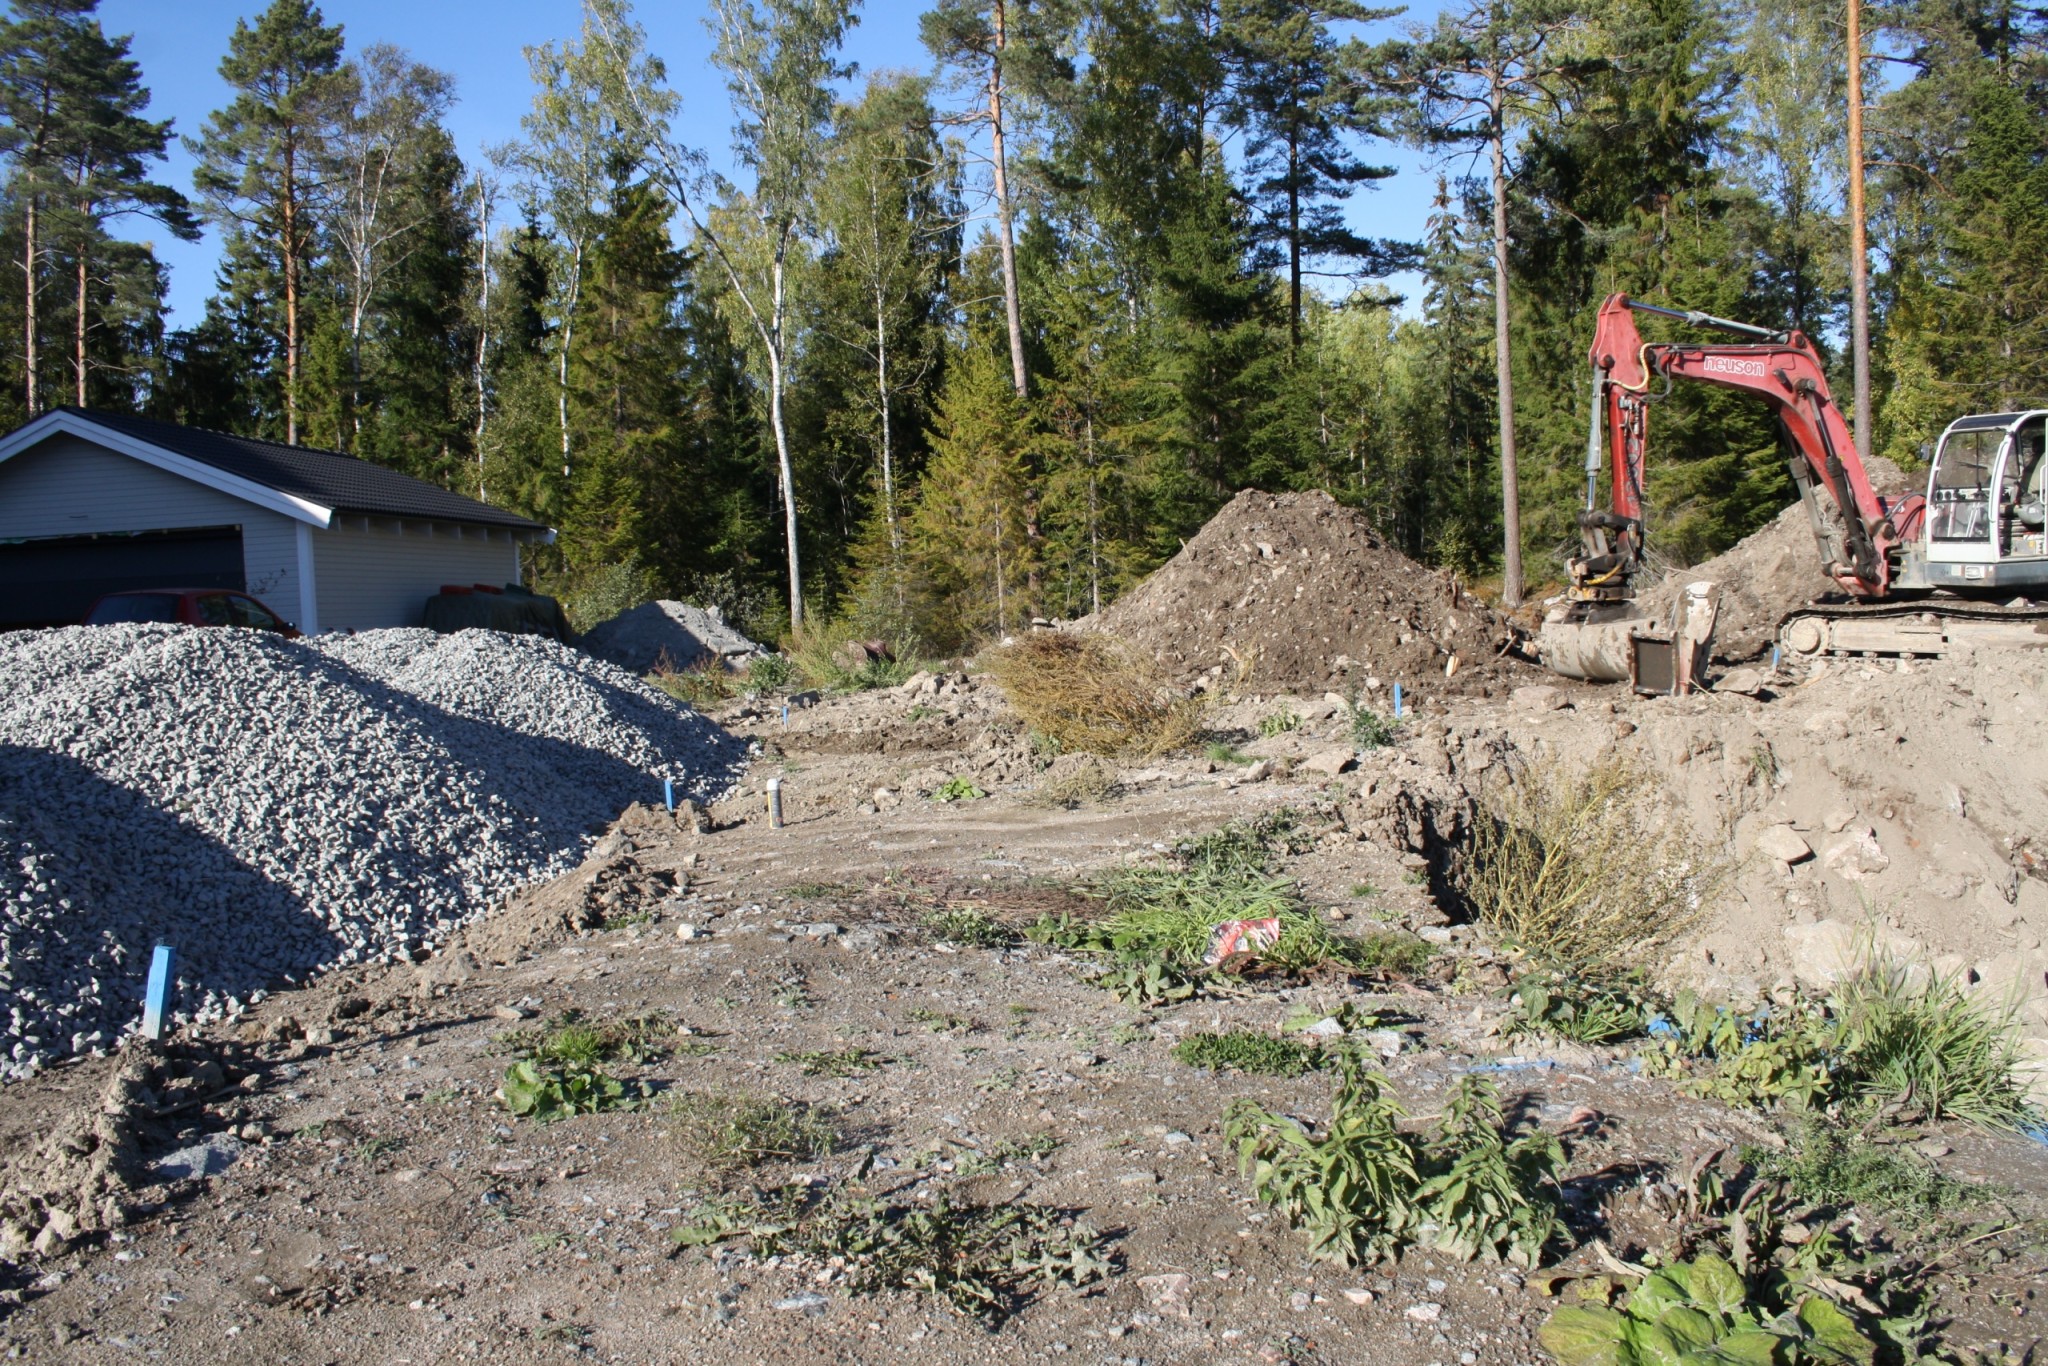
(1857, 534)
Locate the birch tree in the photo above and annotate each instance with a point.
(780, 60)
(573, 139)
(388, 99)
(886, 220)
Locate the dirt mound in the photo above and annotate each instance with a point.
(1766, 575)
(1300, 592)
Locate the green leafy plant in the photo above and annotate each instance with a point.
(1350, 1017)
(958, 789)
(967, 927)
(1369, 730)
(1772, 1057)
(1704, 1311)
(726, 1130)
(1828, 1165)
(939, 1022)
(1223, 752)
(842, 1062)
(1279, 723)
(921, 711)
(1145, 985)
(1554, 1005)
(769, 673)
(1922, 1043)
(1362, 1188)
(996, 1156)
(985, 1261)
(1243, 1051)
(546, 1092)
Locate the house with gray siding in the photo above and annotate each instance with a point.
(94, 502)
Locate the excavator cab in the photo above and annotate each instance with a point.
(1987, 520)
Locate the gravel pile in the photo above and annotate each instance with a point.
(272, 808)
(667, 634)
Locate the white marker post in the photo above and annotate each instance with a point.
(163, 975)
(775, 803)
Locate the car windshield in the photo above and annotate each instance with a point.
(249, 612)
(135, 607)
(214, 611)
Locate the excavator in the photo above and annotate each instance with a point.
(1925, 573)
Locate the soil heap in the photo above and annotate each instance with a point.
(1300, 593)
(1766, 575)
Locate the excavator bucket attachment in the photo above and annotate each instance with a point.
(1616, 643)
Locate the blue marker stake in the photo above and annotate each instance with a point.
(668, 794)
(1397, 701)
(1774, 657)
(785, 716)
(163, 973)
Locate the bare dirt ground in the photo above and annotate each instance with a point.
(371, 1200)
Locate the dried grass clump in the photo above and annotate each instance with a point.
(1585, 870)
(1090, 693)
(1075, 781)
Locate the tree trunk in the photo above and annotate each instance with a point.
(1859, 255)
(28, 267)
(79, 323)
(1510, 492)
(1006, 235)
(562, 361)
(483, 325)
(1293, 248)
(290, 210)
(796, 580)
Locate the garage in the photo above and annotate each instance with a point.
(52, 581)
(94, 502)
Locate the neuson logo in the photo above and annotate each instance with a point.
(1726, 366)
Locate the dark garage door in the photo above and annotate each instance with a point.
(52, 582)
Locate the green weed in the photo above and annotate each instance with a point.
(370, 1149)
(727, 1130)
(985, 1261)
(1927, 1046)
(938, 1022)
(769, 673)
(958, 789)
(1827, 1165)
(968, 928)
(843, 1062)
(1555, 1006)
(546, 1092)
(1243, 1051)
(996, 1156)
(1369, 730)
(1222, 752)
(1279, 723)
(1363, 1188)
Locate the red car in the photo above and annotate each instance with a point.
(190, 607)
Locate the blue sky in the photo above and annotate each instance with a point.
(179, 44)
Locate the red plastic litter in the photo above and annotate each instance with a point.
(1241, 937)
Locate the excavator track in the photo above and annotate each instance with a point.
(1915, 627)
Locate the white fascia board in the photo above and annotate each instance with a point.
(248, 490)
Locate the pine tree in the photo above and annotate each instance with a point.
(1299, 100)
(263, 158)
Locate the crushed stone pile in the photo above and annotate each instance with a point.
(272, 808)
(1300, 592)
(666, 634)
(1767, 575)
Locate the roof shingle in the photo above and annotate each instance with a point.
(329, 478)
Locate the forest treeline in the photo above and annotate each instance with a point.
(961, 346)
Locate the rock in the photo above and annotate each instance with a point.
(1256, 772)
(1327, 763)
(1838, 820)
(1857, 856)
(1538, 697)
(687, 931)
(1747, 682)
(809, 1303)
(209, 1158)
(1167, 1292)
(1429, 1311)
(1784, 844)
(821, 929)
(511, 1012)
(804, 701)
(1325, 1028)
(1385, 1042)
(1360, 1296)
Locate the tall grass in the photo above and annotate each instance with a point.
(1912, 1041)
(1584, 870)
(1090, 693)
